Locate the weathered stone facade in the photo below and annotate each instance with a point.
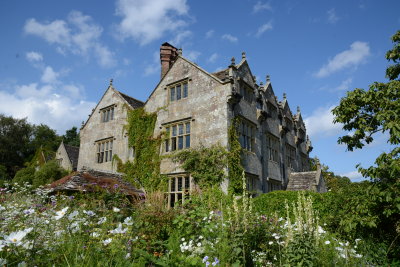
(197, 107)
(67, 157)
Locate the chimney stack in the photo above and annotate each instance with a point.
(168, 55)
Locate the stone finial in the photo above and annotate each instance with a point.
(233, 61)
(261, 83)
(268, 78)
(111, 82)
(284, 95)
(243, 55)
(298, 109)
(180, 51)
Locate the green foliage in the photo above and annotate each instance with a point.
(206, 165)
(25, 175)
(46, 174)
(15, 136)
(71, 137)
(235, 167)
(144, 171)
(377, 110)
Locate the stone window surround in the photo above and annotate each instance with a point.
(272, 149)
(290, 156)
(247, 141)
(104, 149)
(171, 87)
(174, 139)
(107, 113)
(246, 91)
(179, 187)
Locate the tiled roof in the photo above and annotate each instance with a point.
(302, 181)
(73, 155)
(220, 74)
(132, 101)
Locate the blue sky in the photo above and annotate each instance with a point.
(57, 57)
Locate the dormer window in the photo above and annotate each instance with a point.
(107, 113)
(179, 90)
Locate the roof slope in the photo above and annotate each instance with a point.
(73, 155)
(134, 103)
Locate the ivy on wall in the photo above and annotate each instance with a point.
(205, 164)
(144, 171)
(235, 167)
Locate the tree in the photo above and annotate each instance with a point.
(377, 110)
(71, 137)
(15, 136)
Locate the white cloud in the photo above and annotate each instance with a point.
(53, 106)
(213, 58)
(320, 123)
(192, 55)
(78, 35)
(354, 176)
(263, 28)
(34, 56)
(332, 17)
(49, 75)
(230, 38)
(209, 34)
(344, 86)
(259, 6)
(352, 57)
(181, 37)
(146, 21)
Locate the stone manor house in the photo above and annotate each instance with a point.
(199, 108)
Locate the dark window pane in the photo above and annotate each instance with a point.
(106, 156)
(180, 129)
(173, 143)
(180, 180)
(180, 142)
(179, 197)
(172, 94)
(185, 90)
(188, 127)
(173, 184)
(187, 141)
(174, 130)
(110, 155)
(178, 92)
(187, 182)
(172, 200)
(166, 145)
(112, 113)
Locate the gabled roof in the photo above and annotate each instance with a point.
(133, 102)
(73, 155)
(222, 74)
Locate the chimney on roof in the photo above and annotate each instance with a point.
(168, 55)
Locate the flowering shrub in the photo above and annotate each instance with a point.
(209, 230)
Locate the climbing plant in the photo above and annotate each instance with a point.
(205, 164)
(144, 171)
(235, 167)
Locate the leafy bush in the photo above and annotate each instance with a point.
(48, 173)
(25, 175)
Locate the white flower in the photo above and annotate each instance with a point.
(182, 239)
(327, 242)
(107, 241)
(73, 215)
(128, 255)
(29, 211)
(102, 220)
(2, 208)
(89, 212)
(201, 237)
(320, 230)
(128, 221)
(116, 209)
(61, 213)
(270, 243)
(16, 237)
(119, 230)
(22, 264)
(358, 256)
(95, 234)
(199, 244)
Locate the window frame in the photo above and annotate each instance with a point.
(104, 150)
(247, 136)
(290, 156)
(273, 144)
(107, 113)
(178, 90)
(178, 135)
(179, 187)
